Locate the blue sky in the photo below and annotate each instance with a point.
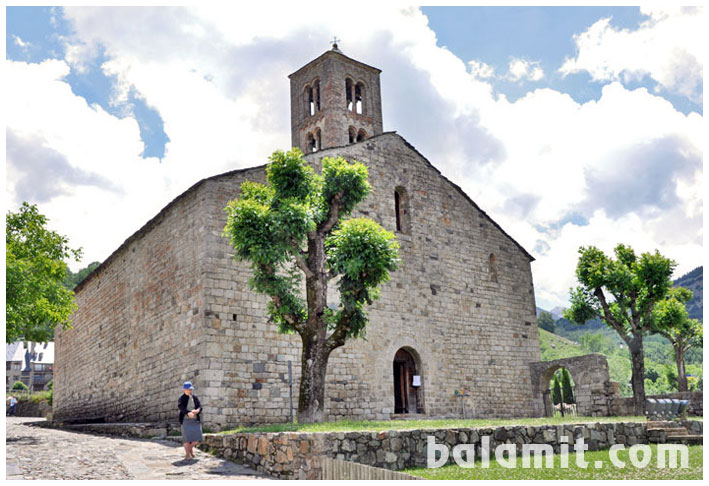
(568, 125)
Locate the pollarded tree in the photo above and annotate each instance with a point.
(670, 319)
(296, 226)
(622, 292)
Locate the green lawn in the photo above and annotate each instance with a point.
(377, 426)
(606, 471)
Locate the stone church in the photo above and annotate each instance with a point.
(454, 327)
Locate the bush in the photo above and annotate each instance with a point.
(19, 386)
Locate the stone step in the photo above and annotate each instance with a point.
(686, 439)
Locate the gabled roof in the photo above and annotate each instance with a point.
(17, 352)
(336, 52)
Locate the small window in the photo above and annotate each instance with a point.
(493, 268)
(318, 140)
(316, 96)
(310, 144)
(361, 135)
(352, 133)
(401, 210)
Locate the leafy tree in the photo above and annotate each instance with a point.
(546, 321)
(671, 320)
(35, 257)
(556, 390)
(596, 343)
(19, 386)
(567, 390)
(622, 292)
(297, 224)
(73, 279)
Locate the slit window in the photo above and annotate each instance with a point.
(493, 268)
(401, 210)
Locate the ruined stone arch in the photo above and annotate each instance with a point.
(352, 134)
(592, 387)
(361, 135)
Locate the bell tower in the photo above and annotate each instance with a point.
(334, 101)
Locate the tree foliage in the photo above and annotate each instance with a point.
(556, 390)
(622, 292)
(36, 267)
(297, 225)
(567, 390)
(670, 319)
(546, 321)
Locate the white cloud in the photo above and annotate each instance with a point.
(667, 47)
(520, 69)
(218, 79)
(20, 43)
(479, 69)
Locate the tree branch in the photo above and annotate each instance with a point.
(333, 215)
(607, 314)
(299, 260)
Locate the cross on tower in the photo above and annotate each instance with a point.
(334, 42)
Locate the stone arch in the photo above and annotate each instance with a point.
(361, 135)
(592, 387)
(382, 365)
(352, 134)
(408, 390)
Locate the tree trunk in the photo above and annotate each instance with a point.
(311, 399)
(635, 345)
(681, 372)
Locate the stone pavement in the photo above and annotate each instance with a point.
(44, 453)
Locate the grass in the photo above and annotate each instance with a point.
(378, 426)
(606, 471)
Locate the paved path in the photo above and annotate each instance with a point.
(42, 453)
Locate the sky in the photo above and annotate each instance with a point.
(569, 126)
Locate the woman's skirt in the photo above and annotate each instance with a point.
(191, 430)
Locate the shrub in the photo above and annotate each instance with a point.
(19, 386)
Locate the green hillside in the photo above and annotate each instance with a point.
(661, 376)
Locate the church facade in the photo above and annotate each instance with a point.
(454, 327)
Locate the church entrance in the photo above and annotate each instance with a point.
(407, 383)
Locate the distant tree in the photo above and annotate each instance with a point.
(36, 267)
(595, 343)
(297, 224)
(556, 390)
(546, 321)
(622, 292)
(19, 386)
(567, 390)
(671, 320)
(73, 279)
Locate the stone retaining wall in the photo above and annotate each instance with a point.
(299, 455)
(31, 408)
(621, 406)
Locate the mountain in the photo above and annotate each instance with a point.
(693, 281)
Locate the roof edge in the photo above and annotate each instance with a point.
(331, 51)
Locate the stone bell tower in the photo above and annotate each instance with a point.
(334, 101)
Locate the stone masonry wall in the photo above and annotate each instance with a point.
(468, 329)
(292, 455)
(138, 330)
(624, 405)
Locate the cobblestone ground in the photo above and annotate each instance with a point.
(42, 453)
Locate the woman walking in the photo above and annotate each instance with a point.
(190, 409)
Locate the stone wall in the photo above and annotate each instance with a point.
(468, 329)
(299, 456)
(171, 304)
(32, 408)
(592, 386)
(621, 406)
(138, 330)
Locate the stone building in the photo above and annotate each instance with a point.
(171, 304)
(29, 362)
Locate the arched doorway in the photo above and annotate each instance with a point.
(408, 382)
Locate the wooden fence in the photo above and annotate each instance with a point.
(338, 469)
